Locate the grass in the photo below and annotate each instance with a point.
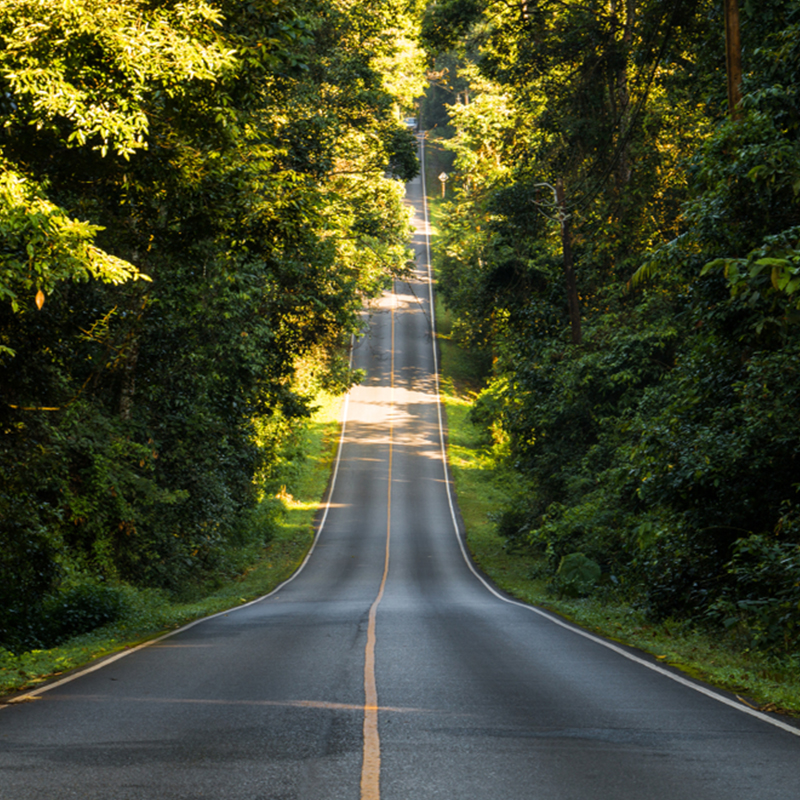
(151, 613)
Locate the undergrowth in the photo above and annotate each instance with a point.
(146, 614)
(758, 678)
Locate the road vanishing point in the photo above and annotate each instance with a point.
(388, 667)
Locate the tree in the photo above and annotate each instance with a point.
(242, 156)
(664, 447)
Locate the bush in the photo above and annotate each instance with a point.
(762, 598)
(577, 575)
(512, 525)
(61, 615)
(676, 575)
(80, 609)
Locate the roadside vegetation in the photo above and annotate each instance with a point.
(196, 200)
(118, 616)
(618, 261)
(482, 478)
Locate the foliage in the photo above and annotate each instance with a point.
(303, 472)
(700, 648)
(248, 159)
(42, 245)
(56, 617)
(81, 609)
(576, 575)
(762, 595)
(664, 446)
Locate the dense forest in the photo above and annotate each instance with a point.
(624, 244)
(195, 200)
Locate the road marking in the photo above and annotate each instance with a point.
(678, 678)
(371, 763)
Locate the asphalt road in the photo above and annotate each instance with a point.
(386, 667)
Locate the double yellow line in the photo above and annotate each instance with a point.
(371, 764)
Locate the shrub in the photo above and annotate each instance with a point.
(577, 575)
(762, 598)
(80, 609)
(53, 619)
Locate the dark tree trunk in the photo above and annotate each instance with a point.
(569, 270)
(733, 57)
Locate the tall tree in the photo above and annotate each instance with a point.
(247, 158)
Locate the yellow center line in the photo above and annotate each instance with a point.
(371, 764)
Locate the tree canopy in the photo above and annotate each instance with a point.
(662, 441)
(195, 200)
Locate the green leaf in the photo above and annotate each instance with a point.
(773, 262)
(712, 265)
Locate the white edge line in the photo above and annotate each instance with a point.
(104, 662)
(705, 690)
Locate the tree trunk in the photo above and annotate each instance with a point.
(733, 58)
(573, 301)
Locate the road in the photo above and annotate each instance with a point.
(387, 668)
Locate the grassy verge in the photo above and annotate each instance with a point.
(151, 613)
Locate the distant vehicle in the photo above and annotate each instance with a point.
(411, 122)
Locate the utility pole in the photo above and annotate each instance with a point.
(733, 58)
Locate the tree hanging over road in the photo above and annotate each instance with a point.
(195, 200)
